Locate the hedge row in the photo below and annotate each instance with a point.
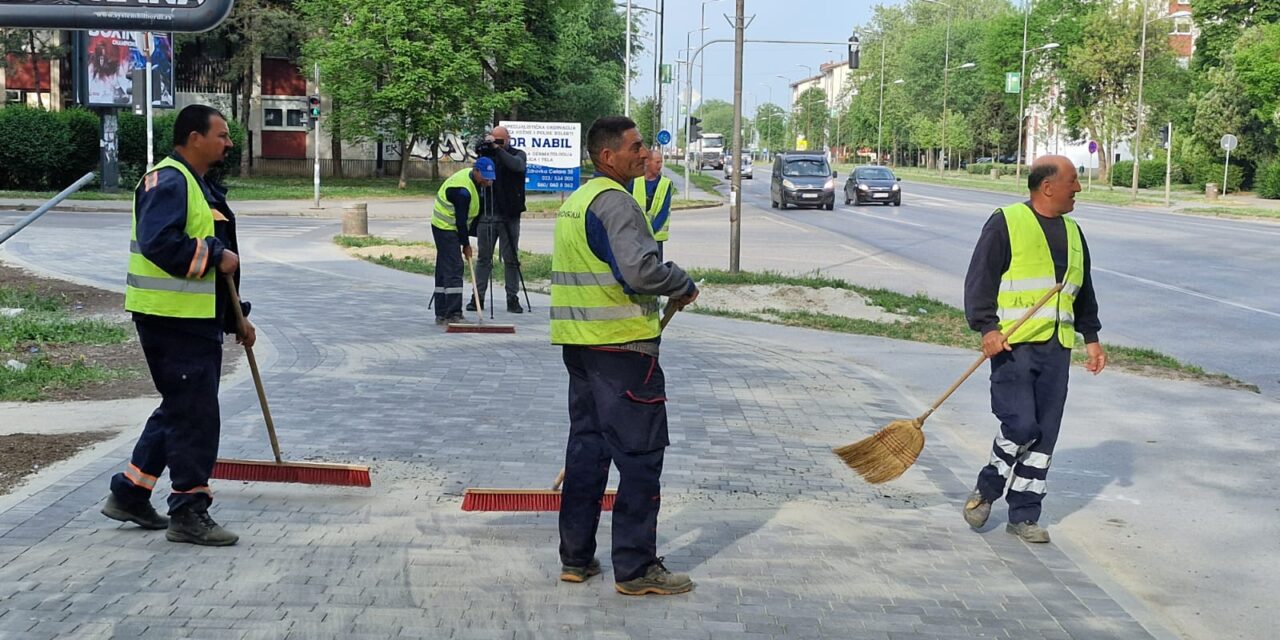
(48, 150)
(984, 169)
(1267, 180)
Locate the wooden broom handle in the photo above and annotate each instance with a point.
(667, 315)
(253, 366)
(475, 288)
(983, 358)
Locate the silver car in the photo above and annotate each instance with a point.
(746, 168)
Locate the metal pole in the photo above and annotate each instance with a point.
(1022, 75)
(316, 180)
(662, 44)
(1137, 134)
(735, 191)
(44, 208)
(880, 124)
(946, 64)
(1225, 165)
(1168, 166)
(626, 73)
(702, 41)
(151, 134)
(688, 119)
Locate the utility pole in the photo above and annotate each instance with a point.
(735, 191)
(316, 180)
(626, 73)
(151, 134)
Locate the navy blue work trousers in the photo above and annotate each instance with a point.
(449, 266)
(1028, 392)
(182, 433)
(618, 415)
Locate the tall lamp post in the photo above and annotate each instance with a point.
(791, 106)
(967, 65)
(688, 105)
(946, 62)
(1022, 84)
(702, 42)
(768, 125)
(657, 58)
(808, 74)
(1142, 67)
(880, 124)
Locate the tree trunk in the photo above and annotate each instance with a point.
(404, 161)
(435, 158)
(335, 141)
(246, 120)
(35, 67)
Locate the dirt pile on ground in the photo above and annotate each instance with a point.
(760, 298)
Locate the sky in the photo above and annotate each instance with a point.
(829, 20)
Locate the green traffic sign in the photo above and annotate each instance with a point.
(1012, 82)
(665, 74)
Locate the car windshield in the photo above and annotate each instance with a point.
(806, 168)
(875, 174)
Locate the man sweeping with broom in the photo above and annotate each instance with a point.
(606, 276)
(183, 236)
(1024, 250)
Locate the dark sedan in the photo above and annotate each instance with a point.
(873, 184)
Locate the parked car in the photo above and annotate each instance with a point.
(803, 179)
(747, 171)
(985, 160)
(873, 184)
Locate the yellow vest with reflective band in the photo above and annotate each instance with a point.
(1031, 274)
(445, 216)
(588, 305)
(150, 289)
(659, 196)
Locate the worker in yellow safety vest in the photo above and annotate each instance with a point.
(653, 192)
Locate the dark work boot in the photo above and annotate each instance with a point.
(580, 574)
(141, 513)
(513, 305)
(471, 306)
(656, 580)
(196, 527)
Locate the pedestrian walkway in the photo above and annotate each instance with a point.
(783, 541)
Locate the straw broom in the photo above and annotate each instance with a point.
(892, 450)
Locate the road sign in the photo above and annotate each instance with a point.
(664, 73)
(1013, 82)
(1229, 142)
(122, 15)
(1093, 147)
(664, 137)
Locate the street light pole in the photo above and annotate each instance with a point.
(1022, 74)
(626, 84)
(1142, 67)
(768, 125)
(735, 192)
(702, 42)
(880, 124)
(946, 63)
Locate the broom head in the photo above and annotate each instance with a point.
(466, 327)
(522, 500)
(887, 454)
(344, 475)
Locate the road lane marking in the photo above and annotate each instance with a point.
(869, 255)
(770, 218)
(860, 213)
(1196, 294)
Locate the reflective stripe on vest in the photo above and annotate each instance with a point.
(150, 289)
(445, 217)
(655, 205)
(589, 305)
(1031, 274)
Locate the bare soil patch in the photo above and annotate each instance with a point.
(395, 251)
(22, 454)
(758, 298)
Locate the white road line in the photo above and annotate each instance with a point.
(1196, 294)
(869, 255)
(860, 213)
(769, 218)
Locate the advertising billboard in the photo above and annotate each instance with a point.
(554, 151)
(110, 56)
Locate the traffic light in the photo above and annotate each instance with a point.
(314, 102)
(1164, 137)
(853, 51)
(695, 131)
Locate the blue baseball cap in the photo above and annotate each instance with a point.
(486, 168)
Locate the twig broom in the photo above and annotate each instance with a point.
(892, 450)
(348, 475)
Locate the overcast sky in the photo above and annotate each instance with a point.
(831, 20)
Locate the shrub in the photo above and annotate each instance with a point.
(33, 148)
(1267, 180)
(82, 150)
(133, 141)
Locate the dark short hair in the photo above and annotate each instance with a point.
(606, 133)
(1039, 174)
(195, 118)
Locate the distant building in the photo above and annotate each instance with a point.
(831, 78)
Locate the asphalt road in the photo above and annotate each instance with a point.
(1191, 287)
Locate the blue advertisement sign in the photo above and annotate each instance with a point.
(554, 151)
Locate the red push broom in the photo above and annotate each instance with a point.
(536, 499)
(348, 475)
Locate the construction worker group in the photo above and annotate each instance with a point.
(608, 277)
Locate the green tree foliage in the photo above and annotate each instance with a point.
(771, 127)
(414, 69)
(1221, 23)
(810, 117)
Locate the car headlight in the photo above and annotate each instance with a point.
(862, 187)
(897, 187)
(789, 185)
(830, 185)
